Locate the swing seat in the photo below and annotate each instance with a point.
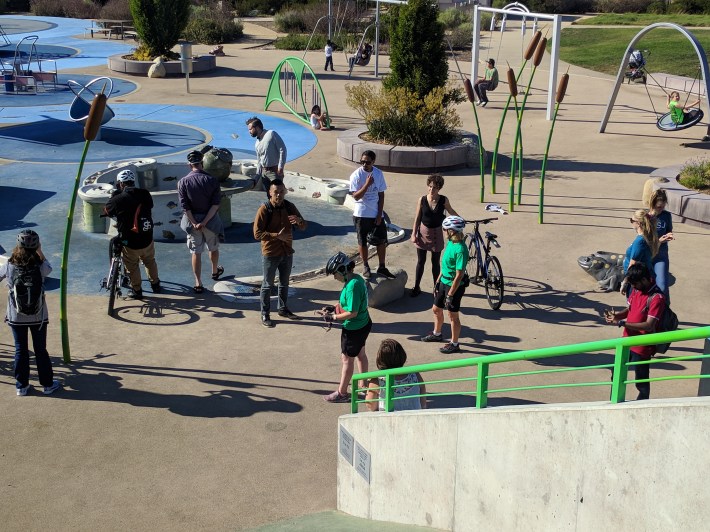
(665, 123)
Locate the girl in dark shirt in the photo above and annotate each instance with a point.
(664, 229)
(427, 234)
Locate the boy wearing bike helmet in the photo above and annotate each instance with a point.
(352, 311)
(449, 288)
(132, 207)
(27, 313)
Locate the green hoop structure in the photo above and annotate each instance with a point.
(286, 87)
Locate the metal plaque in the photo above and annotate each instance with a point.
(362, 462)
(346, 444)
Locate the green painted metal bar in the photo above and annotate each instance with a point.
(550, 386)
(544, 371)
(482, 386)
(389, 392)
(618, 383)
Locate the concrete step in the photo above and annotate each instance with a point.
(336, 522)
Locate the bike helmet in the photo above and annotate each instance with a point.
(455, 223)
(337, 263)
(194, 157)
(28, 239)
(125, 176)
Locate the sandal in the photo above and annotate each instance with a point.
(220, 271)
(198, 289)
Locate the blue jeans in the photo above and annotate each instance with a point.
(283, 264)
(22, 354)
(660, 270)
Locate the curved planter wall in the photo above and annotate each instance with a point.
(408, 158)
(690, 206)
(118, 63)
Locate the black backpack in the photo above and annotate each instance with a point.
(667, 322)
(27, 290)
(290, 210)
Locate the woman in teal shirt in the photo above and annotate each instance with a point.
(352, 311)
(449, 288)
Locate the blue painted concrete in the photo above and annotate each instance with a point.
(61, 94)
(36, 191)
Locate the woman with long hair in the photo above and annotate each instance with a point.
(664, 230)
(27, 313)
(449, 287)
(427, 234)
(391, 355)
(644, 247)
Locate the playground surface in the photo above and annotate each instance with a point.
(187, 414)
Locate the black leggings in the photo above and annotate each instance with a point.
(421, 261)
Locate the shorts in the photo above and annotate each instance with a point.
(197, 240)
(352, 342)
(443, 291)
(364, 225)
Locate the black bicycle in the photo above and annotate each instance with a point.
(117, 278)
(484, 268)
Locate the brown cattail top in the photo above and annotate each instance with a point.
(469, 90)
(540, 51)
(562, 88)
(96, 115)
(532, 45)
(512, 83)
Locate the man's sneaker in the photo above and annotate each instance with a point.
(155, 287)
(449, 348)
(431, 337)
(48, 390)
(286, 313)
(337, 397)
(23, 391)
(266, 320)
(384, 272)
(483, 104)
(366, 273)
(135, 294)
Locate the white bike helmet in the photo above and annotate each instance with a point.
(454, 222)
(125, 176)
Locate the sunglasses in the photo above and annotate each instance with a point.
(631, 220)
(366, 162)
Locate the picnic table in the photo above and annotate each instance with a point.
(109, 27)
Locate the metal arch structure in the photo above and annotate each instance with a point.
(554, 55)
(287, 88)
(624, 61)
(519, 8)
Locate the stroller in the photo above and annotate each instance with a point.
(637, 66)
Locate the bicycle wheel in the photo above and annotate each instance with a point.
(112, 284)
(472, 266)
(494, 282)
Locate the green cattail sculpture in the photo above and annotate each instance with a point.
(471, 98)
(561, 91)
(513, 88)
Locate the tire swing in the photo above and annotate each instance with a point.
(692, 117)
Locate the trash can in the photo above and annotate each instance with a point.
(225, 211)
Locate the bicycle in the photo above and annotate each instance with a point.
(484, 268)
(116, 272)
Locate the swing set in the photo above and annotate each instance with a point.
(664, 121)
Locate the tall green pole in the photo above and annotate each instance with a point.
(472, 99)
(91, 129)
(561, 90)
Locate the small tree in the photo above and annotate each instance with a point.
(417, 49)
(159, 23)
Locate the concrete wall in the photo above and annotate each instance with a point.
(592, 466)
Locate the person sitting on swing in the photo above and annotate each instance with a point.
(679, 113)
(488, 83)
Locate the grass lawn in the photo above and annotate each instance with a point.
(644, 19)
(601, 49)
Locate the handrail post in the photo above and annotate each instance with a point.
(482, 386)
(618, 380)
(389, 392)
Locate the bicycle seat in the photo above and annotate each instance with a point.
(491, 236)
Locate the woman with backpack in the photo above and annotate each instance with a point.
(27, 313)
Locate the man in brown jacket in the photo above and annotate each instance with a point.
(273, 226)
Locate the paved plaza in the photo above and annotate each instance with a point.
(186, 414)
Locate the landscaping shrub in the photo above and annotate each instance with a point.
(47, 8)
(461, 37)
(16, 6)
(398, 116)
(80, 9)
(452, 18)
(696, 175)
(298, 41)
(554, 6)
(160, 23)
(116, 10)
(623, 6)
(690, 7)
(417, 49)
(210, 31)
(290, 21)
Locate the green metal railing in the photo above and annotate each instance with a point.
(483, 378)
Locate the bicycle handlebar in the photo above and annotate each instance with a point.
(483, 221)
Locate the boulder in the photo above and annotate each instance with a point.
(218, 163)
(381, 291)
(157, 69)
